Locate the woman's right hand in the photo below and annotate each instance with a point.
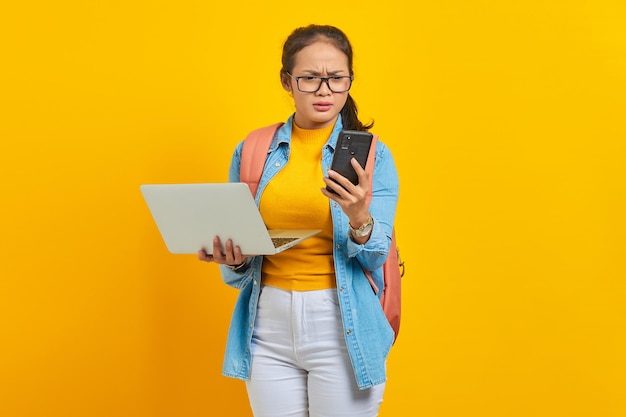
(231, 256)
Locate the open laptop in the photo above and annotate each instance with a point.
(189, 216)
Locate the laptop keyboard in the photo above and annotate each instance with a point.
(279, 241)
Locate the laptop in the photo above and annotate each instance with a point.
(189, 216)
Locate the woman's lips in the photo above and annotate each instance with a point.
(322, 106)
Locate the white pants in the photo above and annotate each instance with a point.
(300, 362)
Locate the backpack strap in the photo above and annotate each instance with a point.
(393, 268)
(394, 255)
(254, 154)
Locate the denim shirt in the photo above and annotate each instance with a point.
(368, 334)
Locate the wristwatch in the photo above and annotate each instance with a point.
(363, 230)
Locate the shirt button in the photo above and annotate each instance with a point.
(255, 282)
(341, 289)
(349, 332)
(277, 164)
(337, 246)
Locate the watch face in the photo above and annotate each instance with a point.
(364, 230)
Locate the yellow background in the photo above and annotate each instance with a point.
(507, 123)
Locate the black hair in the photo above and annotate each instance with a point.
(305, 36)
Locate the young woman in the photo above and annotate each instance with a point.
(308, 334)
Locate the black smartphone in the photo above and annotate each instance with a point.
(351, 144)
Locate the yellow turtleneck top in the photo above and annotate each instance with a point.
(293, 200)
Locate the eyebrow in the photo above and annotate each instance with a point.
(312, 72)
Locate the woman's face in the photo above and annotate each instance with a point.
(319, 109)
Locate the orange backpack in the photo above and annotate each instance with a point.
(253, 155)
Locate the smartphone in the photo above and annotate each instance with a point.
(351, 144)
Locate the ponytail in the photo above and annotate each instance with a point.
(349, 116)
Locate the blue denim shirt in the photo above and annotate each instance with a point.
(368, 334)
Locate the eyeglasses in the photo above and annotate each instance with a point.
(312, 83)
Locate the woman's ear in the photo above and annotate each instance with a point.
(285, 80)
